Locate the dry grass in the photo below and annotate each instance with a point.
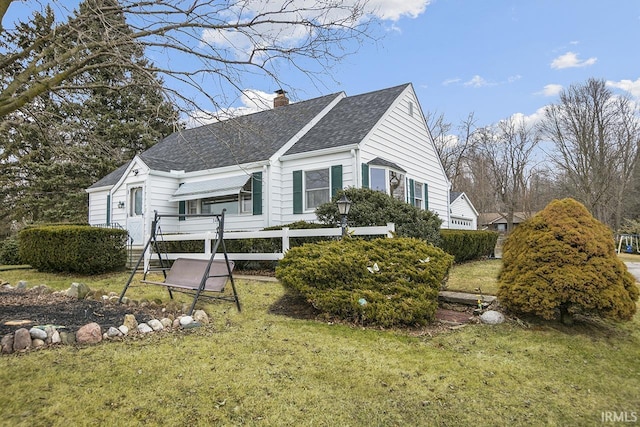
(260, 368)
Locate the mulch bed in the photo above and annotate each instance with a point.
(26, 308)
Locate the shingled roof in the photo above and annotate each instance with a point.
(256, 137)
(348, 122)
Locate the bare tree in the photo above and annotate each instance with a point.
(205, 45)
(596, 136)
(507, 152)
(453, 148)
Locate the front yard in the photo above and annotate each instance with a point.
(258, 367)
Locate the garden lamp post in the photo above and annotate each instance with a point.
(344, 205)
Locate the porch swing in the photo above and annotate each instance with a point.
(201, 278)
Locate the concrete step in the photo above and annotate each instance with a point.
(464, 298)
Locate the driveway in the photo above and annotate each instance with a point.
(634, 268)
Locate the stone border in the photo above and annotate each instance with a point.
(41, 336)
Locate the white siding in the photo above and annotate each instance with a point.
(311, 163)
(463, 216)
(404, 139)
(98, 207)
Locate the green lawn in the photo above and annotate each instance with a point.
(265, 369)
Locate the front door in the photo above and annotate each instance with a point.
(135, 218)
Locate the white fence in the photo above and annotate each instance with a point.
(285, 234)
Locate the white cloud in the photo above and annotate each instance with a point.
(570, 60)
(531, 120)
(252, 101)
(451, 81)
(477, 81)
(515, 78)
(241, 44)
(395, 9)
(628, 85)
(550, 90)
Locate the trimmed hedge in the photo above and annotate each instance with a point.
(384, 282)
(467, 245)
(73, 248)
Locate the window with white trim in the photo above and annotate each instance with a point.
(316, 188)
(246, 202)
(418, 194)
(135, 201)
(192, 207)
(388, 181)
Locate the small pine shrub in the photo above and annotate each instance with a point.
(561, 262)
(373, 208)
(384, 282)
(9, 252)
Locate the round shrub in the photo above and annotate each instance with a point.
(372, 208)
(384, 282)
(9, 251)
(561, 262)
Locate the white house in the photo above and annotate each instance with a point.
(462, 214)
(275, 167)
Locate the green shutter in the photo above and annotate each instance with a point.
(108, 209)
(426, 196)
(412, 193)
(256, 192)
(365, 175)
(336, 179)
(182, 209)
(297, 192)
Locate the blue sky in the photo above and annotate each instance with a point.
(493, 58)
(496, 58)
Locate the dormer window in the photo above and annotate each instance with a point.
(388, 181)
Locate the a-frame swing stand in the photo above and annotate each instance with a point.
(201, 278)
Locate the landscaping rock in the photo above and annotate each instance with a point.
(123, 329)
(55, 337)
(68, 338)
(201, 317)
(176, 323)
(166, 322)
(7, 344)
(21, 339)
(37, 343)
(186, 320)
(130, 322)
(37, 333)
(155, 325)
(90, 333)
(22, 284)
(78, 290)
(492, 317)
(143, 328)
(113, 332)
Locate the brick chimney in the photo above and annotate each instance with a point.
(281, 99)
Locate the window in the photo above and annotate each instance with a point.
(396, 185)
(316, 187)
(246, 202)
(417, 194)
(215, 205)
(378, 179)
(135, 202)
(388, 181)
(192, 207)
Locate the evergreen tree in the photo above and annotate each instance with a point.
(59, 144)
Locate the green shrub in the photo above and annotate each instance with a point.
(73, 248)
(466, 245)
(9, 252)
(398, 278)
(374, 208)
(561, 262)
